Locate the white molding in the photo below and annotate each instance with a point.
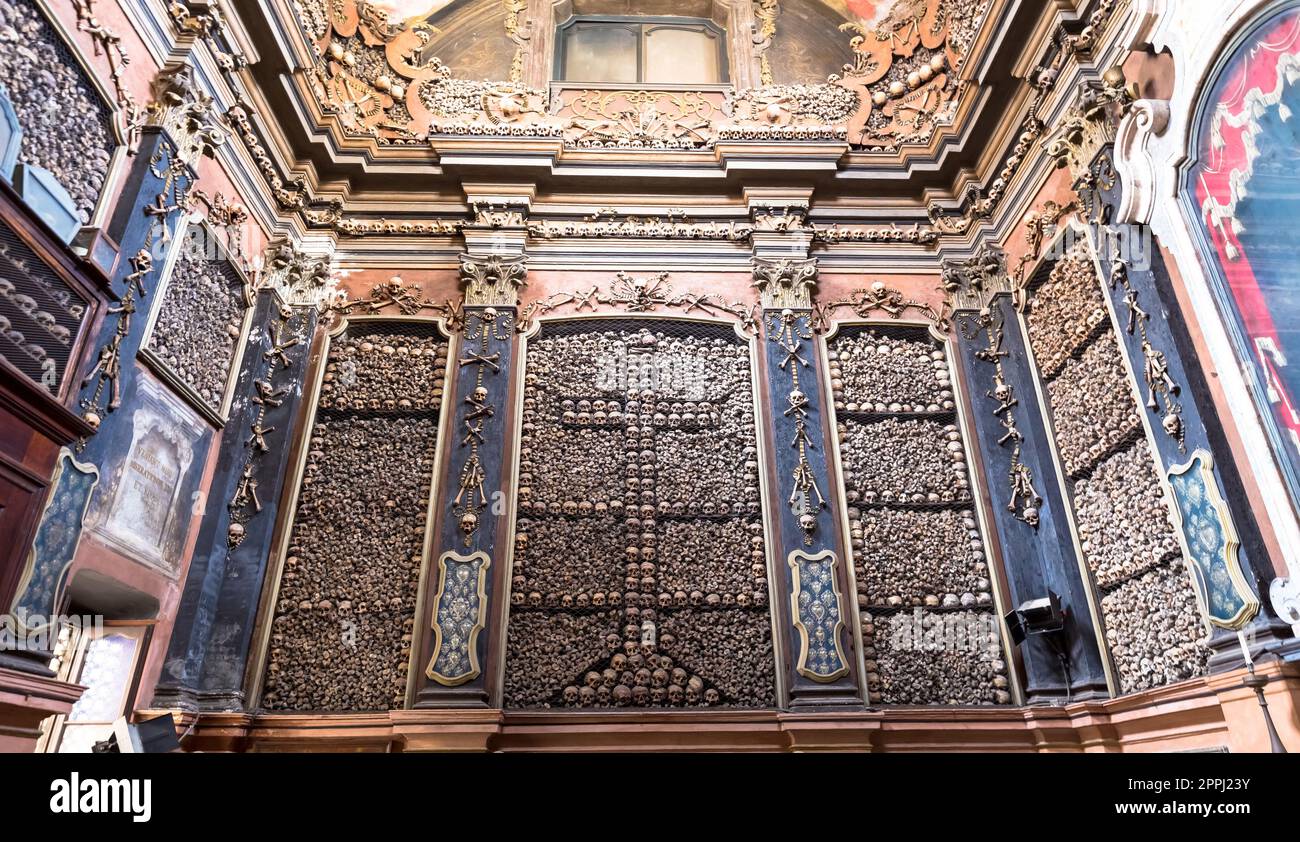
(1139, 175)
(1196, 39)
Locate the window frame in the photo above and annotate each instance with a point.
(642, 21)
(1226, 57)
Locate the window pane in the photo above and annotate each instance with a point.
(682, 56)
(600, 52)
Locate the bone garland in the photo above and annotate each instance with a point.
(880, 298)
(788, 330)
(471, 497)
(268, 394)
(1044, 78)
(408, 300)
(207, 24)
(289, 196)
(107, 371)
(1161, 390)
(638, 295)
(110, 44)
(1024, 500)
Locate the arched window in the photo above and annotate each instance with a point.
(1242, 189)
(641, 51)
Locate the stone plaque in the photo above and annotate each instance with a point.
(145, 509)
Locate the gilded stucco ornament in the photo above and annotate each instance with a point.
(1091, 123)
(639, 295)
(186, 112)
(785, 282)
(493, 281)
(300, 278)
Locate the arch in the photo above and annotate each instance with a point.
(1238, 193)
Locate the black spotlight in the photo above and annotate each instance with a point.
(152, 736)
(1044, 617)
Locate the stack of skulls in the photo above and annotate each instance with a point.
(1124, 520)
(1065, 311)
(913, 461)
(873, 372)
(383, 371)
(344, 617)
(1093, 405)
(199, 324)
(640, 565)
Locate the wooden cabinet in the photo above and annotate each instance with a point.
(51, 305)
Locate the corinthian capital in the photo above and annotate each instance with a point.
(185, 111)
(786, 283)
(492, 280)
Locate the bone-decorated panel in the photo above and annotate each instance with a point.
(345, 613)
(200, 321)
(639, 576)
(1153, 628)
(925, 592)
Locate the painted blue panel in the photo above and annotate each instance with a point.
(56, 543)
(1036, 558)
(804, 500)
(48, 199)
(11, 136)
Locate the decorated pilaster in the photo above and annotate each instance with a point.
(178, 128)
(1022, 478)
(469, 549)
(211, 639)
(810, 574)
(1221, 542)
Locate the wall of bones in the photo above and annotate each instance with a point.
(918, 550)
(1152, 625)
(640, 574)
(344, 615)
(652, 400)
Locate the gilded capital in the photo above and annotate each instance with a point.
(786, 283)
(185, 112)
(493, 280)
(971, 283)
